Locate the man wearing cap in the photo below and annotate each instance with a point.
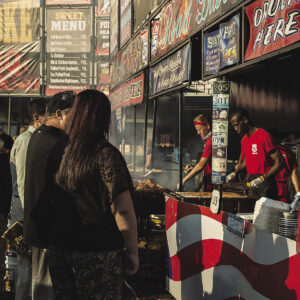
(203, 129)
(258, 154)
(44, 154)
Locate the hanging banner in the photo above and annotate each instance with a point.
(130, 60)
(68, 49)
(180, 18)
(128, 93)
(273, 25)
(102, 36)
(67, 2)
(221, 47)
(103, 8)
(172, 71)
(114, 28)
(19, 47)
(220, 116)
(125, 21)
(103, 77)
(211, 53)
(229, 41)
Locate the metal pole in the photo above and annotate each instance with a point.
(93, 46)
(145, 132)
(43, 49)
(154, 124)
(180, 117)
(134, 145)
(9, 116)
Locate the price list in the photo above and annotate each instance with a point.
(68, 49)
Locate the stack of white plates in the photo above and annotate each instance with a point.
(288, 224)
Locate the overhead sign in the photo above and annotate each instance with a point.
(103, 77)
(172, 71)
(129, 93)
(180, 18)
(19, 47)
(67, 2)
(103, 8)
(221, 47)
(130, 60)
(68, 49)
(273, 25)
(114, 27)
(125, 21)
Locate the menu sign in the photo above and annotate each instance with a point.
(221, 91)
(102, 35)
(273, 25)
(114, 27)
(103, 8)
(68, 49)
(180, 18)
(19, 47)
(128, 93)
(221, 47)
(131, 59)
(125, 21)
(172, 71)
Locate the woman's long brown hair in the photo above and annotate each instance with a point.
(88, 125)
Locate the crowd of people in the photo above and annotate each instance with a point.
(73, 192)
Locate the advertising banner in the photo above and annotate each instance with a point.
(103, 8)
(102, 36)
(172, 71)
(221, 47)
(180, 18)
(68, 49)
(273, 25)
(125, 21)
(103, 77)
(129, 93)
(220, 116)
(130, 60)
(19, 47)
(114, 27)
(67, 2)
(229, 41)
(211, 53)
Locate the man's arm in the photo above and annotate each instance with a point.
(198, 168)
(277, 166)
(295, 180)
(20, 156)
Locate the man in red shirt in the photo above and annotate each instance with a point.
(203, 129)
(258, 154)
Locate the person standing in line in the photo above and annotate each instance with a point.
(6, 143)
(258, 154)
(87, 260)
(44, 154)
(203, 129)
(37, 112)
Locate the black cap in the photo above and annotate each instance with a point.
(61, 101)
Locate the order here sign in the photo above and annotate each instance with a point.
(274, 24)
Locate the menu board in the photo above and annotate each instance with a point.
(125, 21)
(102, 35)
(221, 91)
(211, 53)
(68, 49)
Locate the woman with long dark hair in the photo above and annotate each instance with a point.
(88, 260)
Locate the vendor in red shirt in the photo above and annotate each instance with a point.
(289, 169)
(203, 129)
(258, 154)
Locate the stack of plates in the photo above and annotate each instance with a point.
(288, 224)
